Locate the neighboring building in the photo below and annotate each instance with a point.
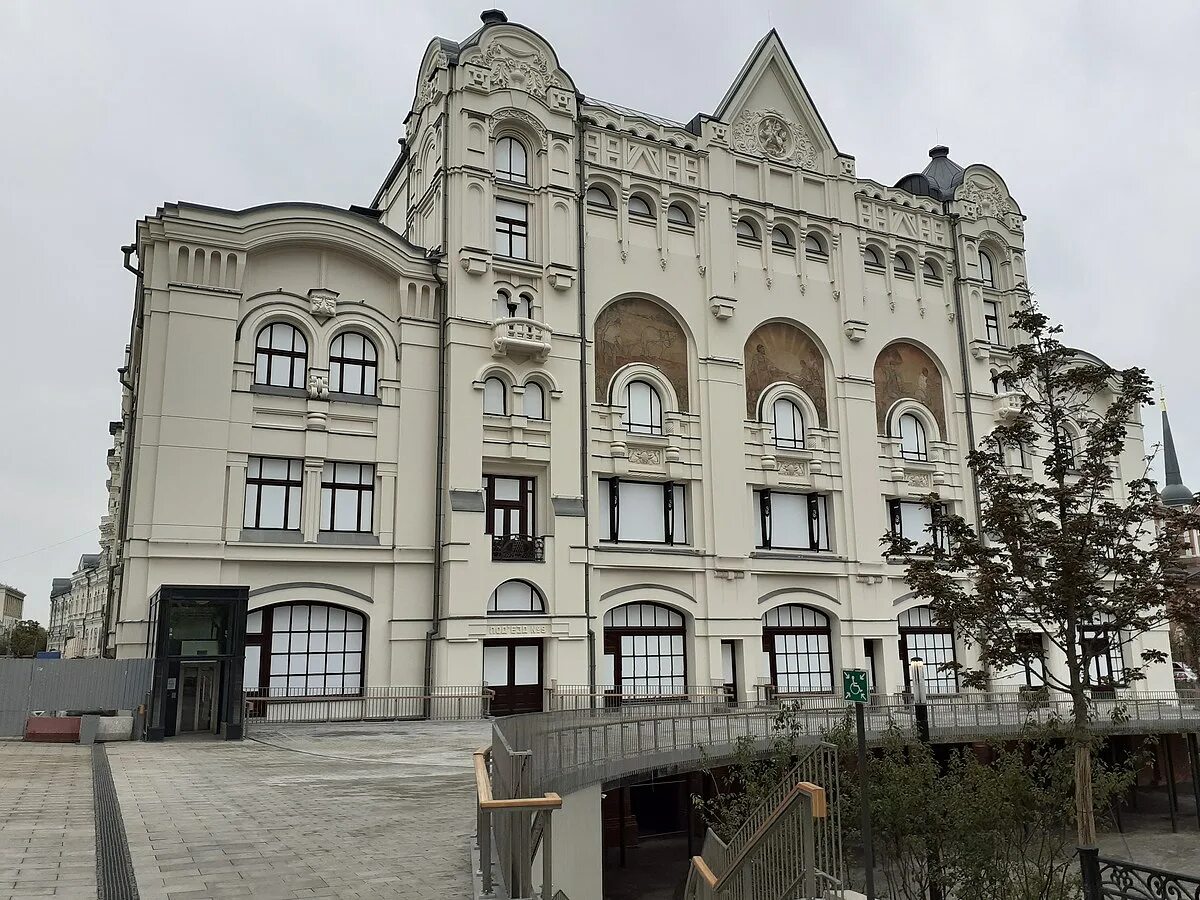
(57, 633)
(1177, 495)
(12, 607)
(637, 418)
(77, 606)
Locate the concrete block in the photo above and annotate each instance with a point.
(52, 729)
(115, 728)
(87, 729)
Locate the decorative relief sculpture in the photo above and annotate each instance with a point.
(986, 199)
(318, 386)
(518, 115)
(919, 479)
(767, 132)
(905, 371)
(528, 72)
(793, 468)
(323, 303)
(778, 351)
(639, 330)
(645, 456)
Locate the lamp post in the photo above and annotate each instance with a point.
(916, 679)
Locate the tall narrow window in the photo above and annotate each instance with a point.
(991, 320)
(511, 160)
(280, 356)
(923, 637)
(912, 437)
(789, 424)
(798, 643)
(353, 364)
(495, 396)
(273, 489)
(646, 512)
(347, 497)
(643, 409)
(533, 403)
(512, 229)
(1102, 656)
(508, 502)
(1032, 651)
(789, 521)
(986, 269)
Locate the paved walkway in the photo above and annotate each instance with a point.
(47, 825)
(303, 811)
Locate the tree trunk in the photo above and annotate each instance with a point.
(1084, 815)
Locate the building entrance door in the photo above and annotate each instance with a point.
(513, 669)
(197, 706)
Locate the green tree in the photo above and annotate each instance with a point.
(1070, 555)
(24, 639)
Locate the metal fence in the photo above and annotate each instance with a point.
(51, 686)
(1120, 880)
(281, 706)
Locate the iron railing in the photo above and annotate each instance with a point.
(283, 706)
(518, 548)
(1121, 880)
(580, 696)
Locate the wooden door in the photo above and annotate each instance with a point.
(513, 669)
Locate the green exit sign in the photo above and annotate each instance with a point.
(854, 685)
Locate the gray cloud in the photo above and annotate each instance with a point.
(112, 109)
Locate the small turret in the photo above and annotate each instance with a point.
(1174, 492)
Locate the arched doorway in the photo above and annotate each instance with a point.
(512, 667)
(644, 651)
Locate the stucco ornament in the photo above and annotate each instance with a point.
(528, 72)
(323, 304)
(318, 386)
(518, 115)
(767, 132)
(645, 456)
(987, 199)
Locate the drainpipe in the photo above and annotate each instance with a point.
(961, 328)
(584, 473)
(435, 259)
(116, 569)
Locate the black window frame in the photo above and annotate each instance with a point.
(824, 655)
(264, 638)
(614, 512)
(339, 362)
(788, 242)
(334, 487)
(814, 501)
(932, 636)
(273, 355)
(793, 443)
(524, 508)
(648, 215)
(921, 454)
(937, 536)
(257, 483)
(872, 260)
(614, 644)
(1033, 659)
(654, 426)
(508, 229)
(509, 174)
(991, 322)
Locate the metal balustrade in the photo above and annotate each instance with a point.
(284, 706)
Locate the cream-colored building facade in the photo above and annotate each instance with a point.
(584, 396)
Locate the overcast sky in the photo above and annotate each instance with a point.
(1089, 111)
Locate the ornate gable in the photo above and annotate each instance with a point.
(770, 113)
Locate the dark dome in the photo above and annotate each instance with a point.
(943, 174)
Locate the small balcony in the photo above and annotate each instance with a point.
(517, 337)
(1008, 407)
(518, 548)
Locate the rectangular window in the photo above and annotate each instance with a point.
(508, 502)
(512, 229)
(273, 493)
(914, 521)
(1033, 660)
(347, 497)
(646, 512)
(792, 521)
(991, 320)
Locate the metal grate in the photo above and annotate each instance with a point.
(114, 867)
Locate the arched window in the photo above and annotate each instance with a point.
(986, 269)
(353, 364)
(813, 245)
(901, 264)
(597, 196)
(495, 396)
(643, 408)
(1067, 441)
(871, 258)
(789, 424)
(747, 230)
(533, 403)
(921, 637)
(643, 651)
(304, 650)
(677, 214)
(798, 643)
(930, 271)
(511, 160)
(639, 206)
(781, 238)
(280, 356)
(911, 432)
(516, 598)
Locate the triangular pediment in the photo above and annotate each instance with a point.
(770, 113)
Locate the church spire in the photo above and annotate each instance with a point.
(1174, 493)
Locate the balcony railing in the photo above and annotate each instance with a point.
(518, 548)
(521, 337)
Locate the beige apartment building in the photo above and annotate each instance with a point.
(12, 606)
(582, 397)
